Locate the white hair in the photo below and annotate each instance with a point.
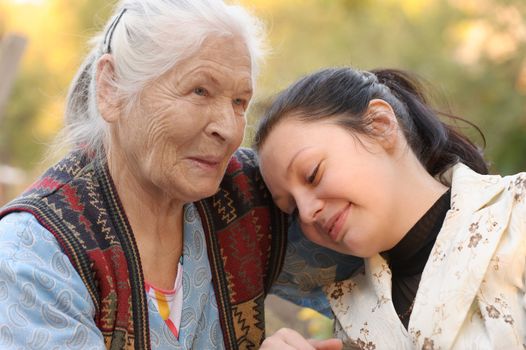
(146, 38)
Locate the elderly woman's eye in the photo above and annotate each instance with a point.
(200, 91)
(239, 102)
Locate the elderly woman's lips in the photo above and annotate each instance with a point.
(206, 162)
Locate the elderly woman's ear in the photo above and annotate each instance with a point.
(107, 101)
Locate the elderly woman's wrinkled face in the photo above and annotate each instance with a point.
(190, 121)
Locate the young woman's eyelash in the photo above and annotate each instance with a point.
(312, 176)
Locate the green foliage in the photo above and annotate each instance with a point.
(92, 14)
(427, 37)
(484, 81)
(19, 145)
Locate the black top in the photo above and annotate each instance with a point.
(408, 258)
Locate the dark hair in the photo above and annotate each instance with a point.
(346, 93)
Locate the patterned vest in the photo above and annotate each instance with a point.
(246, 236)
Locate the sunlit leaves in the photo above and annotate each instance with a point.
(473, 50)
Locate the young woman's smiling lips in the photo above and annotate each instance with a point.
(335, 224)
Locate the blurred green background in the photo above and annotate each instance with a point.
(472, 51)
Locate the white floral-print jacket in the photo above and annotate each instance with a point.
(472, 291)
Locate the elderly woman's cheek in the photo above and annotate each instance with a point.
(241, 125)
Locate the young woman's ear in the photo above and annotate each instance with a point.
(106, 91)
(383, 125)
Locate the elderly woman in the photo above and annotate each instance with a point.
(154, 232)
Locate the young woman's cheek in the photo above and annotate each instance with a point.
(311, 233)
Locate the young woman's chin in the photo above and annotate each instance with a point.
(355, 246)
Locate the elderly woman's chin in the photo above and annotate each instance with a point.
(193, 182)
(202, 187)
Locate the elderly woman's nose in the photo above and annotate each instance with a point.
(225, 123)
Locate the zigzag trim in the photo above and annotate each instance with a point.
(129, 247)
(219, 278)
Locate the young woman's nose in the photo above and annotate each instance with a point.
(309, 206)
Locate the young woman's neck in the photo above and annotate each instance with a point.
(417, 193)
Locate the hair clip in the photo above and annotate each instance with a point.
(111, 29)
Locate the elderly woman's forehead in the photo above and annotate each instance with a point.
(223, 44)
(218, 53)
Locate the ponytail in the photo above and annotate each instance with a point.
(437, 144)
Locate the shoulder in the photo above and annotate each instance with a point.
(244, 178)
(472, 191)
(42, 297)
(31, 252)
(487, 211)
(460, 173)
(59, 175)
(20, 231)
(244, 160)
(516, 185)
(245, 154)
(516, 189)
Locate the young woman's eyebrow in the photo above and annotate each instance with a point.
(294, 157)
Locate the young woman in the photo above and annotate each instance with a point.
(369, 169)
